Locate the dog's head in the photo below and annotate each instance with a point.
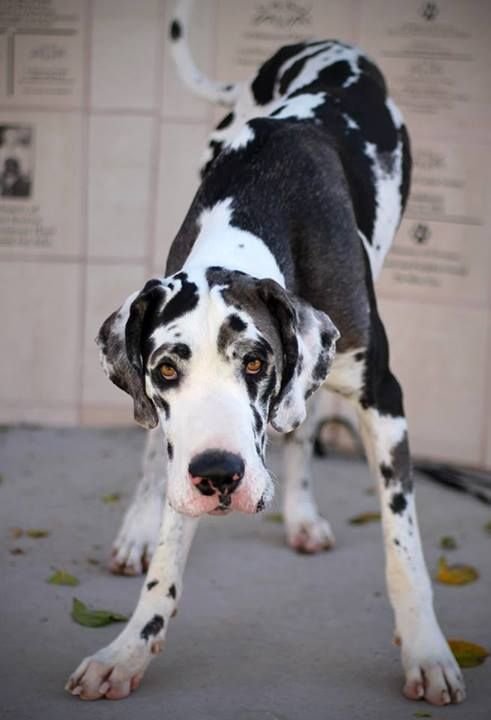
(214, 355)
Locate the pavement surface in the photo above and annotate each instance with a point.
(261, 634)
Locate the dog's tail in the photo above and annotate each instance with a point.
(189, 73)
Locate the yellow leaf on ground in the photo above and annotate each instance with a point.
(468, 654)
(364, 518)
(35, 533)
(111, 498)
(274, 517)
(455, 574)
(61, 577)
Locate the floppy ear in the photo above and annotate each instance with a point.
(308, 338)
(120, 342)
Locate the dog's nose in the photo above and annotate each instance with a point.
(216, 471)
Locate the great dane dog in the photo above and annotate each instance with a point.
(271, 272)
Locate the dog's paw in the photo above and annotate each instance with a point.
(433, 675)
(309, 535)
(110, 673)
(137, 539)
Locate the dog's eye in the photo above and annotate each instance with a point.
(167, 371)
(253, 366)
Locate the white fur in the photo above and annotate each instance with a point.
(300, 107)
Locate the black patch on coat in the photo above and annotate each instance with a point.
(396, 541)
(172, 592)
(387, 473)
(398, 503)
(359, 356)
(258, 421)
(182, 350)
(261, 505)
(152, 584)
(263, 84)
(226, 121)
(175, 30)
(268, 391)
(236, 323)
(170, 450)
(183, 301)
(296, 68)
(319, 371)
(153, 627)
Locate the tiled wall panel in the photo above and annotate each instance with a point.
(110, 141)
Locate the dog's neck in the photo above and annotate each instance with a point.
(223, 244)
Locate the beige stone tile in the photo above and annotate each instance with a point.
(47, 220)
(119, 185)
(40, 336)
(181, 150)
(46, 63)
(125, 53)
(249, 32)
(107, 415)
(107, 288)
(439, 354)
(177, 100)
(438, 65)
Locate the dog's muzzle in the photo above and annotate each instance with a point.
(217, 473)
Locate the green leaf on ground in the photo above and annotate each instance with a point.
(364, 518)
(274, 517)
(422, 714)
(487, 528)
(37, 533)
(468, 654)
(111, 498)
(1, 478)
(455, 574)
(94, 618)
(61, 577)
(93, 561)
(447, 542)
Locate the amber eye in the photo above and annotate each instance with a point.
(168, 372)
(253, 366)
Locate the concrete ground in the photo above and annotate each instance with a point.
(262, 633)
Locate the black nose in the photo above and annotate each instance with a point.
(216, 471)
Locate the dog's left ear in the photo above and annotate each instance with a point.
(308, 338)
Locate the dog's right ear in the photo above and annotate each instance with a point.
(120, 342)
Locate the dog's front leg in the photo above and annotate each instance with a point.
(430, 668)
(114, 671)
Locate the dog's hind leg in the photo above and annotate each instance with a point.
(137, 537)
(430, 668)
(306, 530)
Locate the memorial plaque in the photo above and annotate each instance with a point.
(41, 52)
(436, 57)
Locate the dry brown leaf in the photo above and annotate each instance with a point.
(455, 574)
(468, 654)
(364, 518)
(17, 551)
(16, 533)
(448, 542)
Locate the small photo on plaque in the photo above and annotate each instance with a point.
(16, 160)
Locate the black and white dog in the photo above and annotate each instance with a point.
(303, 188)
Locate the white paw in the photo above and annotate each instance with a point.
(111, 673)
(309, 534)
(137, 537)
(432, 673)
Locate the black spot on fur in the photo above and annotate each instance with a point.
(305, 483)
(268, 391)
(396, 541)
(398, 503)
(153, 627)
(175, 30)
(172, 592)
(236, 323)
(227, 120)
(152, 584)
(181, 350)
(183, 302)
(387, 473)
(261, 505)
(170, 450)
(320, 369)
(359, 356)
(258, 421)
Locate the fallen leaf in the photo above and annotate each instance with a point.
(447, 542)
(16, 533)
(422, 713)
(274, 517)
(94, 618)
(111, 498)
(487, 528)
(364, 518)
(17, 551)
(455, 574)
(93, 561)
(468, 654)
(1, 478)
(370, 491)
(36, 533)
(61, 577)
